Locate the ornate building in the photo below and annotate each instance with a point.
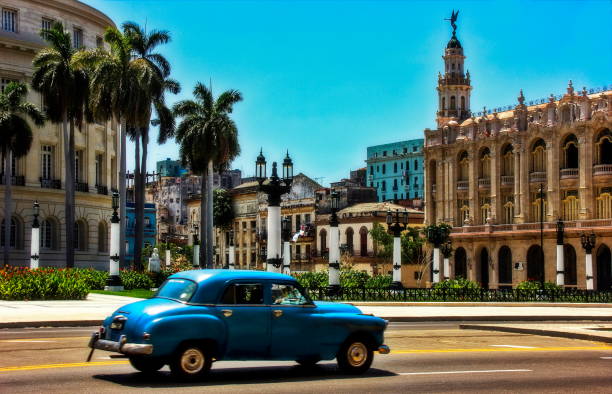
(500, 175)
(40, 174)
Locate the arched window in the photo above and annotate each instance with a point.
(569, 263)
(464, 165)
(80, 235)
(323, 241)
(604, 204)
(507, 160)
(509, 210)
(49, 234)
(570, 205)
(460, 263)
(538, 156)
(453, 104)
(363, 241)
(349, 239)
(604, 147)
(535, 263)
(443, 102)
(16, 230)
(102, 237)
(538, 206)
(569, 153)
(485, 164)
(463, 102)
(505, 265)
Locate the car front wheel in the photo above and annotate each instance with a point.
(190, 361)
(146, 364)
(354, 356)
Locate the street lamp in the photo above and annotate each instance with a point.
(588, 243)
(334, 245)
(274, 189)
(560, 253)
(437, 235)
(113, 283)
(35, 239)
(447, 250)
(396, 226)
(541, 196)
(286, 234)
(196, 245)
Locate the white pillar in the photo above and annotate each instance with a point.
(334, 256)
(589, 271)
(35, 248)
(436, 265)
(446, 268)
(560, 266)
(232, 257)
(397, 260)
(168, 258)
(286, 258)
(196, 255)
(274, 237)
(114, 282)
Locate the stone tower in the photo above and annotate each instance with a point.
(454, 86)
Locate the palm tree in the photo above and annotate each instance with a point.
(64, 88)
(153, 89)
(15, 141)
(208, 138)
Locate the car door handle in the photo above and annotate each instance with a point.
(226, 312)
(277, 313)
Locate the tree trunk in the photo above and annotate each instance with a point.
(121, 187)
(7, 205)
(143, 185)
(69, 175)
(203, 227)
(135, 201)
(209, 216)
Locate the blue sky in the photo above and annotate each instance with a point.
(327, 79)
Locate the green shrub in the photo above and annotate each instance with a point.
(312, 280)
(536, 285)
(379, 282)
(135, 280)
(20, 283)
(459, 283)
(351, 279)
(95, 280)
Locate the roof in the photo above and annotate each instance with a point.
(454, 42)
(377, 206)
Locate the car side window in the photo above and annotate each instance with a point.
(243, 294)
(285, 294)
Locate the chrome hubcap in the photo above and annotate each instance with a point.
(192, 361)
(357, 354)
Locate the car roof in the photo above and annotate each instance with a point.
(211, 281)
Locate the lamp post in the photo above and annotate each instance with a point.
(541, 196)
(560, 253)
(334, 245)
(274, 189)
(231, 263)
(196, 245)
(437, 235)
(35, 240)
(447, 250)
(113, 283)
(396, 226)
(588, 243)
(286, 233)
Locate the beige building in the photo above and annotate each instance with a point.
(484, 173)
(40, 175)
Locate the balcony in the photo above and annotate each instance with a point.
(507, 180)
(537, 177)
(433, 188)
(463, 185)
(50, 183)
(602, 169)
(484, 183)
(102, 190)
(81, 187)
(569, 173)
(18, 180)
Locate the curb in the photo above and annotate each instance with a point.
(535, 331)
(38, 324)
(481, 304)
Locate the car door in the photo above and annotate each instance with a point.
(247, 320)
(293, 323)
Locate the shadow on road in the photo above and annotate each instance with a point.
(245, 375)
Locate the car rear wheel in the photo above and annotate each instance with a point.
(355, 356)
(146, 364)
(190, 361)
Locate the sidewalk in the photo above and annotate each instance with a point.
(97, 306)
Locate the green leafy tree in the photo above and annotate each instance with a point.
(437, 234)
(208, 138)
(15, 141)
(383, 241)
(222, 207)
(64, 85)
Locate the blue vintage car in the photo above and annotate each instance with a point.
(198, 317)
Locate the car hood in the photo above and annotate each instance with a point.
(336, 307)
(153, 306)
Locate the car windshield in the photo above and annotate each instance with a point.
(177, 289)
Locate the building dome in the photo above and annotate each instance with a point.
(453, 43)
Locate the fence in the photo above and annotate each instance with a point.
(461, 295)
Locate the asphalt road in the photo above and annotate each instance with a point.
(426, 357)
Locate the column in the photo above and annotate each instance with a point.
(427, 184)
(436, 264)
(452, 193)
(35, 244)
(585, 190)
(446, 272)
(552, 176)
(273, 262)
(440, 191)
(232, 257)
(113, 283)
(589, 269)
(397, 263)
(494, 177)
(334, 257)
(286, 258)
(196, 254)
(524, 186)
(560, 265)
(473, 187)
(517, 180)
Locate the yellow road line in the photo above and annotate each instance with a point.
(66, 365)
(42, 339)
(536, 349)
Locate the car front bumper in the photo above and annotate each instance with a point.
(121, 346)
(384, 349)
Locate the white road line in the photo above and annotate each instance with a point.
(515, 346)
(460, 372)
(24, 340)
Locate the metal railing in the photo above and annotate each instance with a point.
(50, 183)
(16, 180)
(462, 185)
(461, 295)
(102, 189)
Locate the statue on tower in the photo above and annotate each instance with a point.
(453, 19)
